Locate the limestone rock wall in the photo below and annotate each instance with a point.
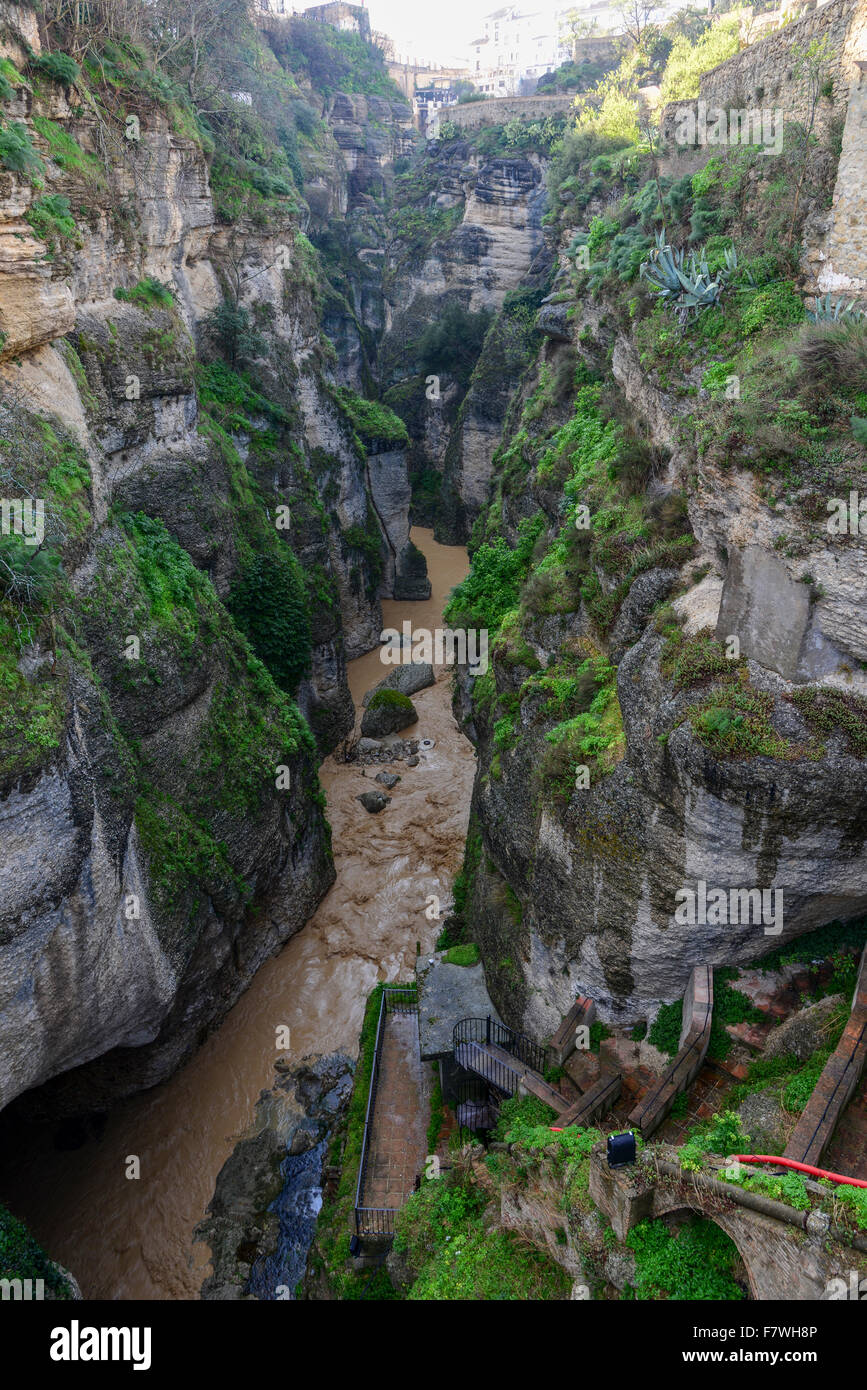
(580, 896)
(498, 246)
(95, 1002)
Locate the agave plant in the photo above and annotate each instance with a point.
(826, 310)
(683, 282)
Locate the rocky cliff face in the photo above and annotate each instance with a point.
(162, 824)
(677, 688)
(484, 242)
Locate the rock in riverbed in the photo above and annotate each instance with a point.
(388, 713)
(407, 680)
(374, 801)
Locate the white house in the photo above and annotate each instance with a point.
(514, 49)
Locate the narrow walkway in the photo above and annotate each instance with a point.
(398, 1139)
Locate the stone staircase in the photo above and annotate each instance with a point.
(505, 1060)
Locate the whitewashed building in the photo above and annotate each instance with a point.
(514, 49)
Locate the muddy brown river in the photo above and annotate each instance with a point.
(133, 1239)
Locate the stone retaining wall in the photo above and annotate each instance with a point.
(765, 76)
(499, 110)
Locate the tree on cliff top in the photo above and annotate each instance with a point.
(191, 40)
(635, 16)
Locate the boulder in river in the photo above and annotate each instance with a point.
(408, 680)
(388, 779)
(388, 712)
(374, 802)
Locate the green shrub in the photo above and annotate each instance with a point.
(52, 221)
(465, 954)
(59, 67)
(689, 661)
(827, 710)
(21, 1257)
(230, 328)
(269, 603)
(491, 588)
(856, 1198)
(147, 294)
(28, 574)
(779, 305)
(452, 343)
(437, 1110)
(373, 421)
(666, 1028)
(833, 356)
(455, 1254)
(687, 61)
(696, 1262)
(17, 151)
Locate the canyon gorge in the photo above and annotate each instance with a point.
(287, 375)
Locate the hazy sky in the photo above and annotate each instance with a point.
(439, 29)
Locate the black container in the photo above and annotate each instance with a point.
(621, 1149)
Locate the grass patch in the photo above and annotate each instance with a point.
(455, 1254)
(149, 293)
(465, 954)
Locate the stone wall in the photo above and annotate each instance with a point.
(765, 76)
(788, 1255)
(501, 109)
(839, 261)
(596, 47)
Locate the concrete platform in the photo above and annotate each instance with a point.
(446, 994)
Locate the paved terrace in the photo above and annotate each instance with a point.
(398, 1134)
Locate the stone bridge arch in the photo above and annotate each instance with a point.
(784, 1259)
(780, 1261)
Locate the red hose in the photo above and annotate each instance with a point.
(800, 1167)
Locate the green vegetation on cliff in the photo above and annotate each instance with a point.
(453, 1253)
(21, 1257)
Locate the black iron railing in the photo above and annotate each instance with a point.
(379, 1221)
(473, 1057)
(487, 1030)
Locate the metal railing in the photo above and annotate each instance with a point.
(498, 1034)
(473, 1057)
(379, 1221)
